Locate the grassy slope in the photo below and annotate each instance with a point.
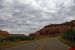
(8, 44)
(66, 41)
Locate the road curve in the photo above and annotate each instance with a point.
(44, 44)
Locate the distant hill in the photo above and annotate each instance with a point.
(3, 34)
(55, 29)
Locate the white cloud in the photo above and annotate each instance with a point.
(27, 16)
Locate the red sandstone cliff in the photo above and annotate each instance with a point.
(55, 29)
(3, 34)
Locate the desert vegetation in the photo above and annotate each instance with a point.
(69, 37)
(8, 40)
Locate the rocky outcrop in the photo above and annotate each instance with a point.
(3, 34)
(55, 29)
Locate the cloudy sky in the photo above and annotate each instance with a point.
(27, 16)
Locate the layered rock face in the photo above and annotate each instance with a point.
(3, 34)
(55, 29)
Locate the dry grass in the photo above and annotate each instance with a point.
(8, 44)
(66, 41)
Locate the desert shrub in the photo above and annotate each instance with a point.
(15, 38)
(70, 34)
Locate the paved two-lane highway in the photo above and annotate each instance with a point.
(44, 44)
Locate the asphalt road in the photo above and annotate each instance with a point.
(44, 44)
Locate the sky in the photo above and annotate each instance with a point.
(28, 16)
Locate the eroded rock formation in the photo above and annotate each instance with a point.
(3, 34)
(55, 29)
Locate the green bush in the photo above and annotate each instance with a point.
(70, 34)
(17, 38)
